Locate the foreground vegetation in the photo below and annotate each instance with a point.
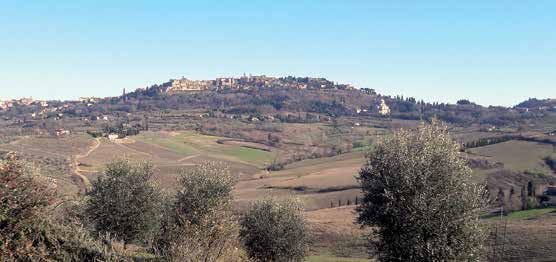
(126, 215)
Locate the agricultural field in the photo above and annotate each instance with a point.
(189, 143)
(517, 156)
(327, 185)
(320, 182)
(521, 236)
(524, 235)
(169, 152)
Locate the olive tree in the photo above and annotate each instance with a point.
(418, 194)
(24, 200)
(125, 202)
(28, 228)
(275, 231)
(199, 224)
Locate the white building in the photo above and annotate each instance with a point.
(383, 108)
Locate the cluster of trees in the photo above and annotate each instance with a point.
(126, 206)
(489, 141)
(121, 130)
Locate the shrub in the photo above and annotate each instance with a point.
(199, 224)
(275, 231)
(125, 202)
(418, 193)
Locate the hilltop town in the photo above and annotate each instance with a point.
(246, 82)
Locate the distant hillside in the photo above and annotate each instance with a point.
(538, 104)
(285, 99)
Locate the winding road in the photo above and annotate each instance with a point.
(82, 181)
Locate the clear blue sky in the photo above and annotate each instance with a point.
(492, 52)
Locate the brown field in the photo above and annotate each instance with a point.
(335, 232)
(527, 236)
(318, 182)
(517, 155)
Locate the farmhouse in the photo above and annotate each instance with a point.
(113, 137)
(61, 132)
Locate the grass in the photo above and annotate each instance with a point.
(362, 149)
(324, 258)
(250, 155)
(524, 214)
(530, 214)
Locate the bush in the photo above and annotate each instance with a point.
(417, 191)
(125, 202)
(199, 224)
(275, 231)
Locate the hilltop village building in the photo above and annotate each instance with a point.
(185, 84)
(11, 103)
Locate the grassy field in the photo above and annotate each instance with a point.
(169, 152)
(189, 143)
(325, 258)
(530, 214)
(517, 155)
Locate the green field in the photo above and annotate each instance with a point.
(190, 143)
(530, 214)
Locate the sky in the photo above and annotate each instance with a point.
(491, 52)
